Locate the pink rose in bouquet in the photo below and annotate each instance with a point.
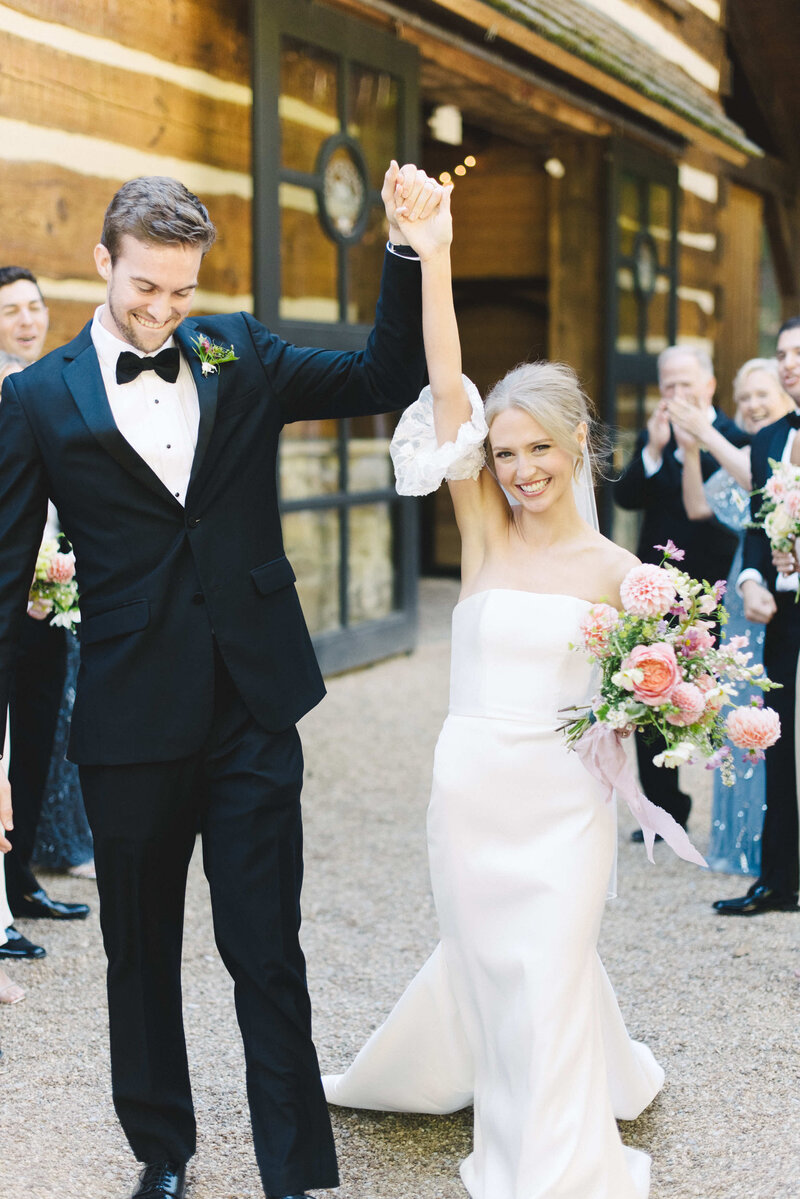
(660, 672)
(647, 590)
(596, 627)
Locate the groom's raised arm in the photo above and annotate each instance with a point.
(315, 384)
(390, 372)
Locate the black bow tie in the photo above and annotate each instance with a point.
(166, 365)
(794, 419)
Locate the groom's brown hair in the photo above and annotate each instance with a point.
(159, 210)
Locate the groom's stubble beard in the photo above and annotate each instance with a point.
(126, 326)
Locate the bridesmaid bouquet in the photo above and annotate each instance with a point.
(779, 514)
(54, 588)
(665, 673)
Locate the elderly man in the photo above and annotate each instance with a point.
(651, 483)
(38, 679)
(768, 585)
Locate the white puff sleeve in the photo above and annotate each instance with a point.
(420, 463)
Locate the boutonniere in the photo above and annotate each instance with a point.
(211, 355)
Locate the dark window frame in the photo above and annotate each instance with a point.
(351, 41)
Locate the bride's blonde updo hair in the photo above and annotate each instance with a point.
(550, 393)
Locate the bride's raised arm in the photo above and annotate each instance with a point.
(442, 435)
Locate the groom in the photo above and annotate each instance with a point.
(195, 659)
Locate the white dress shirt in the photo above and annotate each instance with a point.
(159, 420)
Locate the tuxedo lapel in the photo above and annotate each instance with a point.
(207, 391)
(84, 379)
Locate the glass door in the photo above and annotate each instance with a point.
(334, 101)
(641, 302)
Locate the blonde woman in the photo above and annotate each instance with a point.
(513, 1012)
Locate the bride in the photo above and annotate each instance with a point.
(513, 1012)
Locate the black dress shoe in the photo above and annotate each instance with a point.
(40, 906)
(758, 899)
(161, 1180)
(17, 946)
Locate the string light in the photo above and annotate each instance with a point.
(460, 170)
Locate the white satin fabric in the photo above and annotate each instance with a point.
(514, 1009)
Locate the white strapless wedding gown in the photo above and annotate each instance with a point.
(513, 1011)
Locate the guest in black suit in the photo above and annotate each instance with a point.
(195, 658)
(768, 584)
(652, 484)
(38, 677)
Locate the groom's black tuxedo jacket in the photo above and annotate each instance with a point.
(767, 443)
(159, 582)
(709, 545)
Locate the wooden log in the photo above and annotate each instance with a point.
(576, 261)
(52, 217)
(47, 87)
(210, 35)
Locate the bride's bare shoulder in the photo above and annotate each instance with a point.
(612, 563)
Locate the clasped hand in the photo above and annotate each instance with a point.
(418, 209)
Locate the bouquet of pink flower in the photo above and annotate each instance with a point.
(54, 588)
(779, 514)
(665, 672)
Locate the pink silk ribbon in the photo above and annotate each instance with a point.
(603, 754)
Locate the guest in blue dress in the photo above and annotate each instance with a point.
(63, 838)
(737, 816)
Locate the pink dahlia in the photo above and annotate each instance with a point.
(61, 568)
(596, 626)
(647, 590)
(691, 704)
(753, 728)
(660, 672)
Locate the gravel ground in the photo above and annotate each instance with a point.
(717, 1000)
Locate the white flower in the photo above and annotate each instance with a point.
(675, 755)
(209, 368)
(779, 525)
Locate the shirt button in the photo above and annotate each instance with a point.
(169, 447)
(156, 401)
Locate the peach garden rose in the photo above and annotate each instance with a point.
(652, 673)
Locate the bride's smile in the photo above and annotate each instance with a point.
(527, 460)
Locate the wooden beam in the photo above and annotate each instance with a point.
(490, 20)
(506, 84)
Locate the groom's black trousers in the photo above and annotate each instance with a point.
(243, 789)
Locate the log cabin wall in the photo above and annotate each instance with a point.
(93, 94)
